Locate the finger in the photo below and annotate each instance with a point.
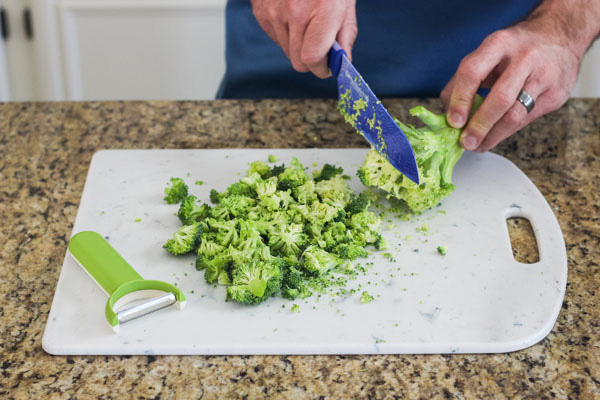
(499, 101)
(472, 70)
(516, 118)
(445, 94)
(282, 35)
(318, 38)
(297, 30)
(347, 34)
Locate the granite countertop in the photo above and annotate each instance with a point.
(45, 151)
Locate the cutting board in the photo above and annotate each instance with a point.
(475, 299)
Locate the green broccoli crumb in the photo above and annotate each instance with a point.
(295, 308)
(442, 250)
(273, 158)
(379, 340)
(365, 297)
(138, 220)
(199, 183)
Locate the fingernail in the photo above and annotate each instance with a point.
(456, 120)
(469, 142)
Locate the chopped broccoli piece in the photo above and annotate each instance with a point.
(176, 192)
(358, 203)
(190, 212)
(184, 240)
(365, 297)
(276, 231)
(273, 158)
(442, 250)
(318, 262)
(327, 172)
(295, 308)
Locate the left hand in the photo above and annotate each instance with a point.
(525, 57)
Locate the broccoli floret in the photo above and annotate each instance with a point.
(351, 251)
(437, 150)
(185, 239)
(327, 172)
(176, 192)
(260, 168)
(253, 283)
(292, 283)
(287, 240)
(318, 262)
(358, 203)
(273, 158)
(293, 176)
(215, 196)
(442, 250)
(277, 169)
(240, 188)
(190, 212)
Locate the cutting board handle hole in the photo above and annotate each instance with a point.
(522, 240)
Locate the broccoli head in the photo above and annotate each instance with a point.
(260, 168)
(437, 149)
(176, 192)
(185, 239)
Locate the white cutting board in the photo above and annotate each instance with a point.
(476, 299)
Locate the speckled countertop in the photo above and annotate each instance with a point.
(45, 150)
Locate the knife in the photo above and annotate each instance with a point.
(361, 109)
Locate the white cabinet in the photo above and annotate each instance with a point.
(132, 49)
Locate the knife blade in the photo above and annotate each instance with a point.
(361, 109)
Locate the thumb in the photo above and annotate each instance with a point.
(348, 30)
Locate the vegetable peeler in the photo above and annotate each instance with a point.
(127, 290)
(361, 109)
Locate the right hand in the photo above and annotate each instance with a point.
(306, 29)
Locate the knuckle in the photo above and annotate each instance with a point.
(501, 37)
(468, 67)
(309, 57)
(272, 13)
(516, 115)
(503, 100)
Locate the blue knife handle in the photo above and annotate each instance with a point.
(335, 58)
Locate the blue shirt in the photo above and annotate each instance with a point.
(405, 48)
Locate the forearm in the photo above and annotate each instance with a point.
(576, 23)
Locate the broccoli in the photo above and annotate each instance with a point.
(276, 231)
(318, 262)
(442, 250)
(184, 240)
(253, 283)
(365, 297)
(176, 192)
(437, 150)
(327, 172)
(358, 203)
(190, 212)
(273, 158)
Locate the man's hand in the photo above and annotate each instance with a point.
(540, 56)
(306, 29)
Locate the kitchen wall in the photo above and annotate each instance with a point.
(131, 49)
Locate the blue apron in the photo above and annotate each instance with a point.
(405, 48)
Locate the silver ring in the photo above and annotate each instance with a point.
(526, 100)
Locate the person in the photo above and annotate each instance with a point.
(526, 52)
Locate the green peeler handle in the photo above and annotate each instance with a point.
(101, 261)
